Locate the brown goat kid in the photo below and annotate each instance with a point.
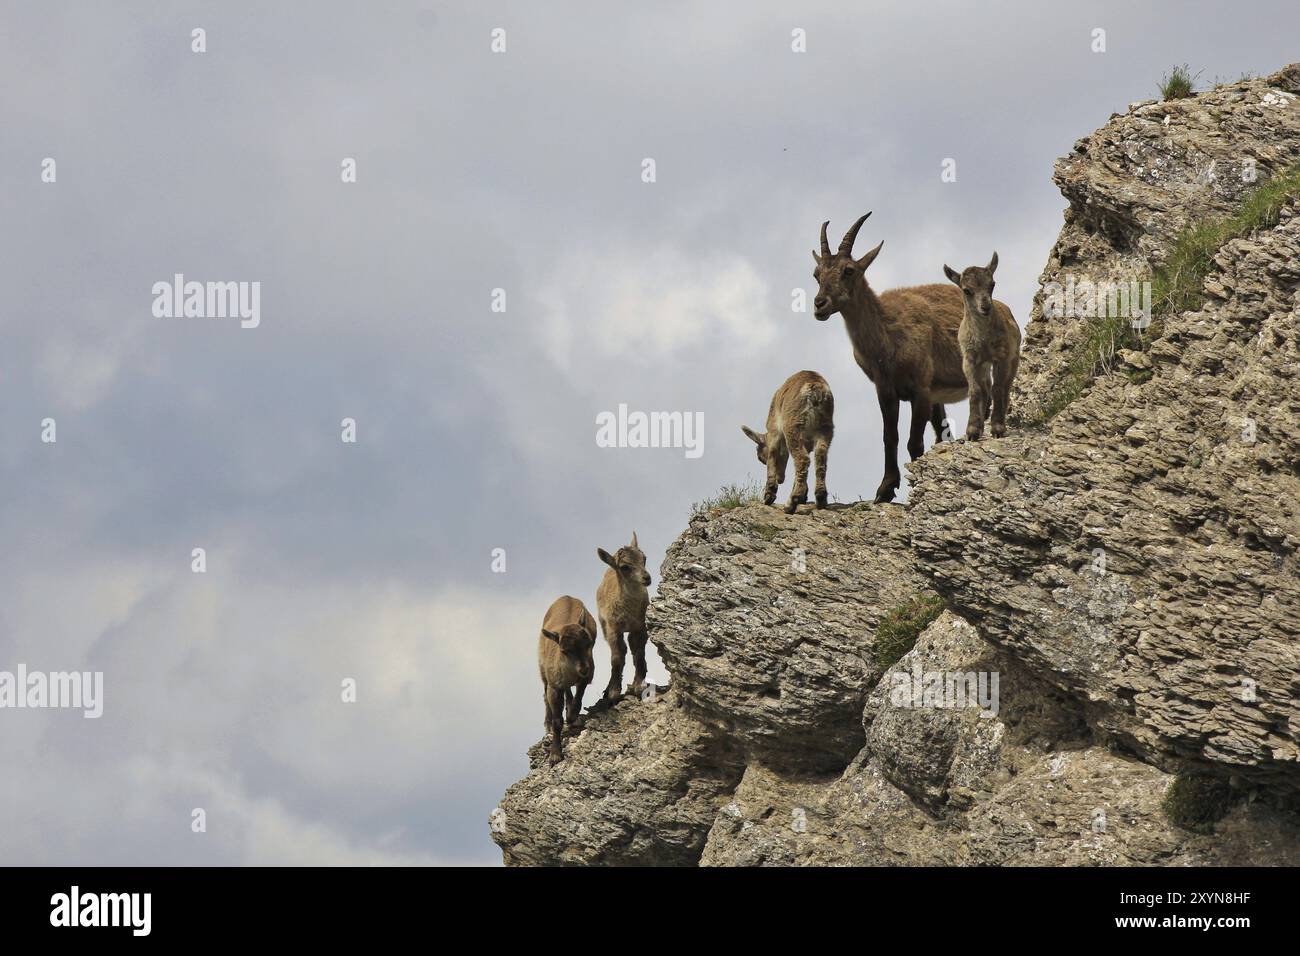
(905, 340)
(990, 348)
(799, 423)
(564, 660)
(621, 602)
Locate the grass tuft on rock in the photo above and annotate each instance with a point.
(1176, 287)
(1196, 802)
(1178, 83)
(728, 497)
(1094, 355)
(901, 626)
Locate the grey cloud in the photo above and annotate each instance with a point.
(476, 429)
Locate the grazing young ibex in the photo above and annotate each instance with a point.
(564, 660)
(990, 348)
(905, 340)
(799, 422)
(621, 602)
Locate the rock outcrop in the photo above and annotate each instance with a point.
(640, 785)
(936, 786)
(1126, 570)
(1141, 552)
(763, 620)
(1135, 184)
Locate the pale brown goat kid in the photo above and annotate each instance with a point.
(800, 424)
(621, 602)
(990, 348)
(566, 665)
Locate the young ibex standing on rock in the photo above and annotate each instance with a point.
(799, 422)
(905, 340)
(621, 601)
(990, 348)
(564, 660)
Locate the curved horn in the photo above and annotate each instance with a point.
(870, 257)
(846, 246)
(826, 246)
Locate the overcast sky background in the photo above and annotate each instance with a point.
(476, 429)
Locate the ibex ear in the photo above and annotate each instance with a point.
(816, 258)
(870, 257)
(634, 544)
(993, 264)
(952, 274)
(754, 436)
(551, 635)
(606, 557)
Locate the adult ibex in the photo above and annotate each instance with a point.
(905, 340)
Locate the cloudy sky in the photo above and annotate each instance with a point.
(476, 171)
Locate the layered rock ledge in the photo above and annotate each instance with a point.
(1127, 570)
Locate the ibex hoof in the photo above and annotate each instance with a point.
(884, 496)
(973, 434)
(821, 500)
(791, 507)
(554, 758)
(999, 431)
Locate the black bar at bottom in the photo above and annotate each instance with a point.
(338, 906)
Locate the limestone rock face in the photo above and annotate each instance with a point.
(766, 622)
(934, 753)
(1142, 552)
(937, 786)
(640, 785)
(1134, 184)
(1127, 570)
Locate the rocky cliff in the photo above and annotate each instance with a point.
(1123, 564)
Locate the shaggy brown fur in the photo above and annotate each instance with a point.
(990, 348)
(799, 422)
(621, 601)
(905, 340)
(564, 661)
